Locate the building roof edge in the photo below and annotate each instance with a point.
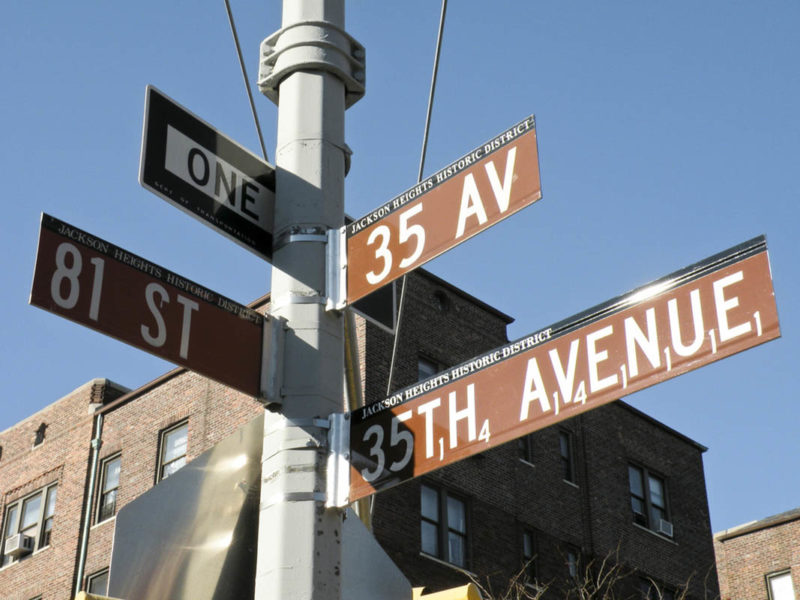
(752, 526)
(457, 290)
(663, 426)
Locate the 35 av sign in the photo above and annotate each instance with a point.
(492, 182)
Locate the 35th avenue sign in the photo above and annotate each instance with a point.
(94, 283)
(698, 315)
(492, 182)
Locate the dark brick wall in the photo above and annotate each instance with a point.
(507, 495)
(504, 494)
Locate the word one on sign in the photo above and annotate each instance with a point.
(94, 283)
(701, 314)
(204, 173)
(480, 189)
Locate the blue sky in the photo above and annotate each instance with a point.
(667, 132)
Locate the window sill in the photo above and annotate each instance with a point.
(572, 483)
(655, 533)
(447, 564)
(31, 555)
(104, 521)
(525, 462)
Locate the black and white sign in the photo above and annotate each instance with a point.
(206, 174)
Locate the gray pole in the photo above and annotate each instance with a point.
(309, 69)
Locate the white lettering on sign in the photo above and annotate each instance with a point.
(723, 305)
(471, 207)
(68, 274)
(406, 232)
(471, 202)
(427, 410)
(158, 339)
(675, 321)
(645, 340)
(218, 179)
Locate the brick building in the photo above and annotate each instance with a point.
(612, 483)
(760, 559)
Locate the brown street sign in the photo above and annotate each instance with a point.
(94, 283)
(691, 318)
(478, 190)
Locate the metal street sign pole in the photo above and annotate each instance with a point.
(691, 318)
(106, 288)
(313, 70)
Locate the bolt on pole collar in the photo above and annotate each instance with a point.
(312, 45)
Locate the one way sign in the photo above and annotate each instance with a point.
(206, 174)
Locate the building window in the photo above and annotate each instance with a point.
(28, 524)
(779, 586)
(529, 555)
(427, 368)
(443, 525)
(172, 455)
(565, 447)
(525, 448)
(573, 560)
(109, 484)
(441, 301)
(649, 500)
(97, 583)
(49, 512)
(649, 590)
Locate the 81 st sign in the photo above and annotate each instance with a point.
(94, 283)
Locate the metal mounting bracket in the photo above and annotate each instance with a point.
(336, 270)
(338, 484)
(312, 45)
(272, 351)
(300, 233)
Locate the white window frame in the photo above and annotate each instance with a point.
(93, 578)
(39, 531)
(779, 575)
(103, 491)
(162, 449)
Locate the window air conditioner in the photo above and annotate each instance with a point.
(19, 545)
(664, 527)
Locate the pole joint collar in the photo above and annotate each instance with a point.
(312, 46)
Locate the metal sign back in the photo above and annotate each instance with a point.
(92, 282)
(199, 170)
(691, 318)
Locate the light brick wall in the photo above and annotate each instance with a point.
(746, 555)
